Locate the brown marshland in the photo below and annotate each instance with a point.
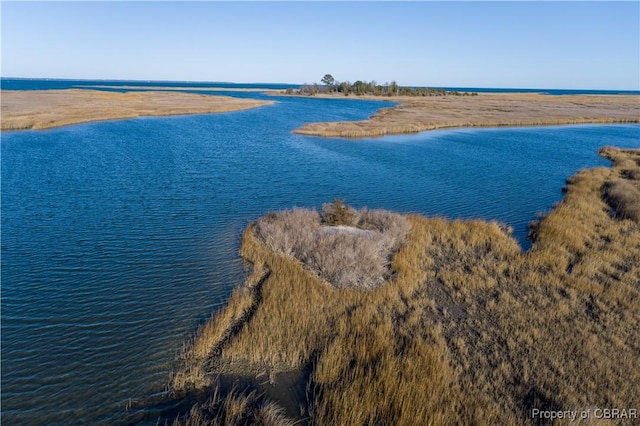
(449, 323)
(417, 114)
(54, 108)
(43, 109)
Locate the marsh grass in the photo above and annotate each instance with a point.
(44, 109)
(623, 193)
(485, 110)
(234, 408)
(357, 255)
(467, 330)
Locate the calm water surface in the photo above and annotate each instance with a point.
(119, 238)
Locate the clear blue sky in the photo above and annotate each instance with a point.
(582, 45)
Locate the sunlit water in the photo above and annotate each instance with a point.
(119, 238)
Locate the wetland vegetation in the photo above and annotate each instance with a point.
(464, 327)
(422, 108)
(45, 109)
(359, 88)
(418, 114)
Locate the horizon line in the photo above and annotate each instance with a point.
(300, 84)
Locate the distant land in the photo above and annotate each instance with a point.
(428, 108)
(47, 103)
(415, 114)
(17, 83)
(44, 109)
(330, 85)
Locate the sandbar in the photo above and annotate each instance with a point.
(44, 109)
(413, 115)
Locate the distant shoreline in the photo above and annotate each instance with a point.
(179, 88)
(13, 83)
(46, 109)
(418, 114)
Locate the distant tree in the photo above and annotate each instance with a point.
(358, 87)
(329, 80)
(344, 88)
(393, 88)
(373, 88)
(309, 89)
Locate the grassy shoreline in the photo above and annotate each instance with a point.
(418, 114)
(467, 329)
(45, 109)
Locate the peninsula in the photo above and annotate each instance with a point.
(416, 114)
(363, 317)
(419, 109)
(43, 109)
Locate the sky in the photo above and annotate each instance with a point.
(561, 45)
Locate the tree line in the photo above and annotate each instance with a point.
(360, 88)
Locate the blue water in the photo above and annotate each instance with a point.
(119, 238)
(47, 84)
(50, 84)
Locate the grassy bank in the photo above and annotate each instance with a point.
(464, 327)
(414, 115)
(44, 109)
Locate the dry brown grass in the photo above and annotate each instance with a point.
(232, 409)
(468, 329)
(356, 254)
(43, 109)
(414, 115)
(623, 193)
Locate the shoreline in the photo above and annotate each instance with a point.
(418, 114)
(46, 109)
